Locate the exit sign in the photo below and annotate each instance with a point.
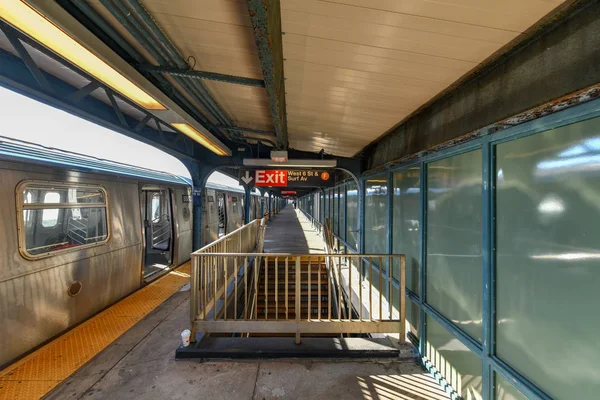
(274, 177)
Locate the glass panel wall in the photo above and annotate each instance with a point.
(459, 365)
(407, 231)
(506, 391)
(548, 258)
(352, 236)
(376, 215)
(454, 240)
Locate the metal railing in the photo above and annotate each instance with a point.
(238, 275)
(207, 285)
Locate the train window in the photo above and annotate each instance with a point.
(50, 215)
(60, 217)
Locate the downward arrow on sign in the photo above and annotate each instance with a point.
(247, 178)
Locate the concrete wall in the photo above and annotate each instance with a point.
(559, 59)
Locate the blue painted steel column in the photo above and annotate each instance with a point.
(199, 173)
(360, 189)
(487, 228)
(389, 227)
(197, 199)
(247, 205)
(270, 206)
(423, 280)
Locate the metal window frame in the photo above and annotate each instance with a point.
(21, 207)
(492, 365)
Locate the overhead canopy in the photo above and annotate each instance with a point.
(332, 75)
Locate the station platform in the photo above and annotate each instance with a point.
(128, 352)
(290, 232)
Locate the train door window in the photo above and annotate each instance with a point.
(158, 228)
(222, 216)
(234, 204)
(60, 217)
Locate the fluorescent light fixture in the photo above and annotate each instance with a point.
(279, 156)
(26, 19)
(199, 137)
(263, 162)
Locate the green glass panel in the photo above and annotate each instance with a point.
(406, 225)
(455, 362)
(352, 214)
(548, 258)
(376, 215)
(505, 391)
(454, 240)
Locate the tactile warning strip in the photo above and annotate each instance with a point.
(38, 373)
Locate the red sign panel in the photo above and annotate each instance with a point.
(288, 192)
(273, 177)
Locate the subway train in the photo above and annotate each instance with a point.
(78, 233)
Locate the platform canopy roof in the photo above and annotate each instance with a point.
(311, 75)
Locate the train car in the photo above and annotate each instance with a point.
(79, 233)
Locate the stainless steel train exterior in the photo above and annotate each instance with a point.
(77, 234)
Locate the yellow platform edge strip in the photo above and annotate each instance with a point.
(41, 371)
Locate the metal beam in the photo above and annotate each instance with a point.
(140, 125)
(266, 24)
(212, 76)
(83, 92)
(240, 129)
(115, 107)
(249, 133)
(14, 76)
(26, 57)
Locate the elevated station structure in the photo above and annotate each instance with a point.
(461, 133)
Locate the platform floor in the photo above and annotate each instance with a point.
(141, 365)
(98, 361)
(291, 232)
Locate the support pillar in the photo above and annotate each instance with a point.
(247, 206)
(361, 216)
(270, 206)
(200, 173)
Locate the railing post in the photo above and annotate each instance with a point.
(298, 264)
(194, 297)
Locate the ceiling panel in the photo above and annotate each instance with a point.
(215, 36)
(355, 68)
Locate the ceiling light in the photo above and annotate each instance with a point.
(200, 138)
(263, 162)
(26, 19)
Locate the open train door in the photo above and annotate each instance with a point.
(157, 217)
(210, 216)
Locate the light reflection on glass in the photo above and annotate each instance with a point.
(551, 205)
(567, 256)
